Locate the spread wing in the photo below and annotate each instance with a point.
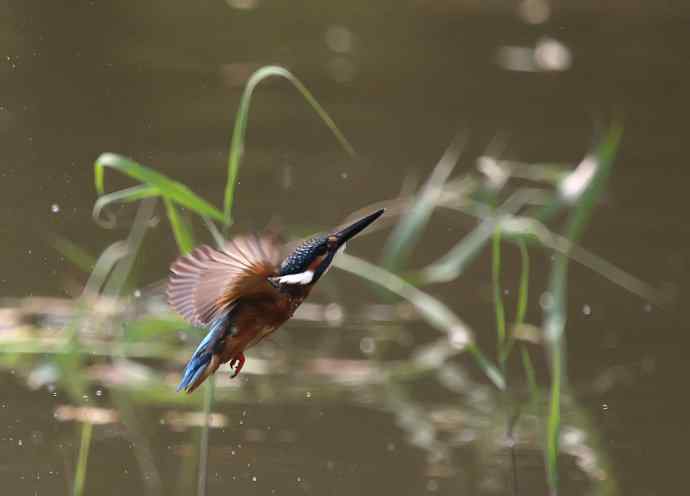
(209, 281)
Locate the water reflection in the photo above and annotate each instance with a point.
(457, 419)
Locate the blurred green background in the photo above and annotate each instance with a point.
(160, 82)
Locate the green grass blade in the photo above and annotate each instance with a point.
(123, 268)
(553, 429)
(128, 195)
(492, 372)
(523, 229)
(604, 156)
(181, 229)
(555, 314)
(523, 291)
(409, 230)
(451, 265)
(105, 263)
(74, 253)
(523, 296)
(173, 190)
(498, 297)
(83, 460)
(531, 375)
(240, 128)
(217, 235)
(432, 310)
(203, 442)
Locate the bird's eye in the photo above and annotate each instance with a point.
(332, 242)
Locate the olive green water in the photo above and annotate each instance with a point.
(161, 82)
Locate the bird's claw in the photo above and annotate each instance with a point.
(236, 364)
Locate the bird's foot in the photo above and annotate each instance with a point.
(236, 364)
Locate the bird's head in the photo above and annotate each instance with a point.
(311, 259)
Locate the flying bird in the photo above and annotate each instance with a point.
(245, 291)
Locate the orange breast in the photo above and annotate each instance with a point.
(257, 319)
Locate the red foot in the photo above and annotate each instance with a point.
(237, 363)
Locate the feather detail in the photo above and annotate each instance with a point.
(206, 359)
(208, 281)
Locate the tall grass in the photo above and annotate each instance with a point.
(594, 171)
(175, 194)
(506, 215)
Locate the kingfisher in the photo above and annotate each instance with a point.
(246, 290)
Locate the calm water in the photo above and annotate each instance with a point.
(161, 83)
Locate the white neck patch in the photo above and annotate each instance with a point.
(302, 278)
(306, 277)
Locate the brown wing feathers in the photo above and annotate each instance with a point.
(208, 280)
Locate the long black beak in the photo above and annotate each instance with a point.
(352, 230)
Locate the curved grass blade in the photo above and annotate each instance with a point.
(215, 232)
(168, 188)
(128, 195)
(105, 263)
(123, 268)
(240, 129)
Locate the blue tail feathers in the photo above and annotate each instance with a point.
(202, 355)
(195, 367)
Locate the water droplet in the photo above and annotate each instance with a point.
(535, 11)
(243, 4)
(307, 394)
(20, 442)
(432, 486)
(546, 300)
(339, 39)
(367, 345)
(587, 310)
(137, 293)
(253, 478)
(55, 208)
(552, 55)
(605, 406)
